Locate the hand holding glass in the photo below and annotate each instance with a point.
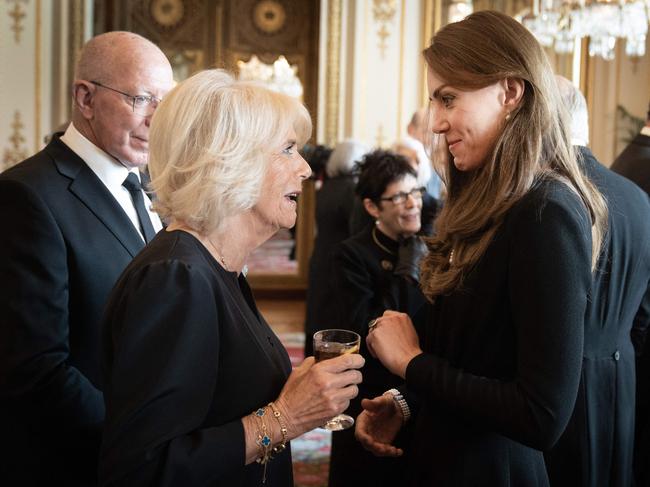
(329, 344)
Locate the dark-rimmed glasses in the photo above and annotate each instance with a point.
(143, 105)
(401, 197)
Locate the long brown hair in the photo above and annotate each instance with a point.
(471, 54)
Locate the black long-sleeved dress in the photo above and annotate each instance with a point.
(502, 355)
(187, 355)
(364, 286)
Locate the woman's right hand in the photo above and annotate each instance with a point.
(378, 425)
(315, 392)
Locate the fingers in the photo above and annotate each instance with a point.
(370, 347)
(325, 381)
(381, 449)
(375, 405)
(341, 397)
(377, 448)
(363, 433)
(342, 362)
(390, 312)
(308, 362)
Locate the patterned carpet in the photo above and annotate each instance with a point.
(311, 454)
(273, 256)
(311, 451)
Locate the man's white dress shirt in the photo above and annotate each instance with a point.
(111, 173)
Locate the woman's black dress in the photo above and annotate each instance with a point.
(365, 286)
(187, 355)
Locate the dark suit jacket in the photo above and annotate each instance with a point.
(501, 365)
(187, 356)
(597, 447)
(65, 241)
(634, 162)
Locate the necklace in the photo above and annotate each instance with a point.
(218, 254)
(382, 247)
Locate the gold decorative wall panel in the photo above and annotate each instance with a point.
(17, 151)
(333, 71)
(17, 15)
(383, 12)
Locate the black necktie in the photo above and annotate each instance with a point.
(132, 183)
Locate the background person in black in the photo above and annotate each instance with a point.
(634, 161)
(69, 230)
(508, 271)
(375, 270)
(597, 447)
(188, 357)
(361, 219)
(634, 164)
(334, 202)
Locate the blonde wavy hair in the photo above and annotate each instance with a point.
(209, 146)
(476, 52)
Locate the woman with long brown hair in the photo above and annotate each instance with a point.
(494, 377)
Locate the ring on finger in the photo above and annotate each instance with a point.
(372, 324)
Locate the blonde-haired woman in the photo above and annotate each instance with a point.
(199, 391)
(508, 273)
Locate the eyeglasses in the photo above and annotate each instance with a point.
(401, 197)
(143, 105)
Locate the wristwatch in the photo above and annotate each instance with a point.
(401, 403)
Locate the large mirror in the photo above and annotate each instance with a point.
(281, 262)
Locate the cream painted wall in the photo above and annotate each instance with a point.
(36, 49)
(380, 68)
(24, 75)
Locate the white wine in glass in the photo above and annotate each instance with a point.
(329, 344)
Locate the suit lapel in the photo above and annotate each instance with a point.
(88, 188)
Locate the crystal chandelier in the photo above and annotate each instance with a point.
(280, 76)
(560, 23)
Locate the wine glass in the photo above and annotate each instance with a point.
(329, 344)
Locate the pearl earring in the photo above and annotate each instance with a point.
(508, 116)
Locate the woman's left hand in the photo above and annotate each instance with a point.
(394, 342)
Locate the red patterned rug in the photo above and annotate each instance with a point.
(311, 451)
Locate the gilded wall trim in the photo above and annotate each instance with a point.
(383, 12)
(77, 15)
(333, 70)
(16, 152)
(400, 85)
(431, 22)
(37, 78)
(380, 138)
(17, 15)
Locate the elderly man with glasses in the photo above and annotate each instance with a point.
(74, 216)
